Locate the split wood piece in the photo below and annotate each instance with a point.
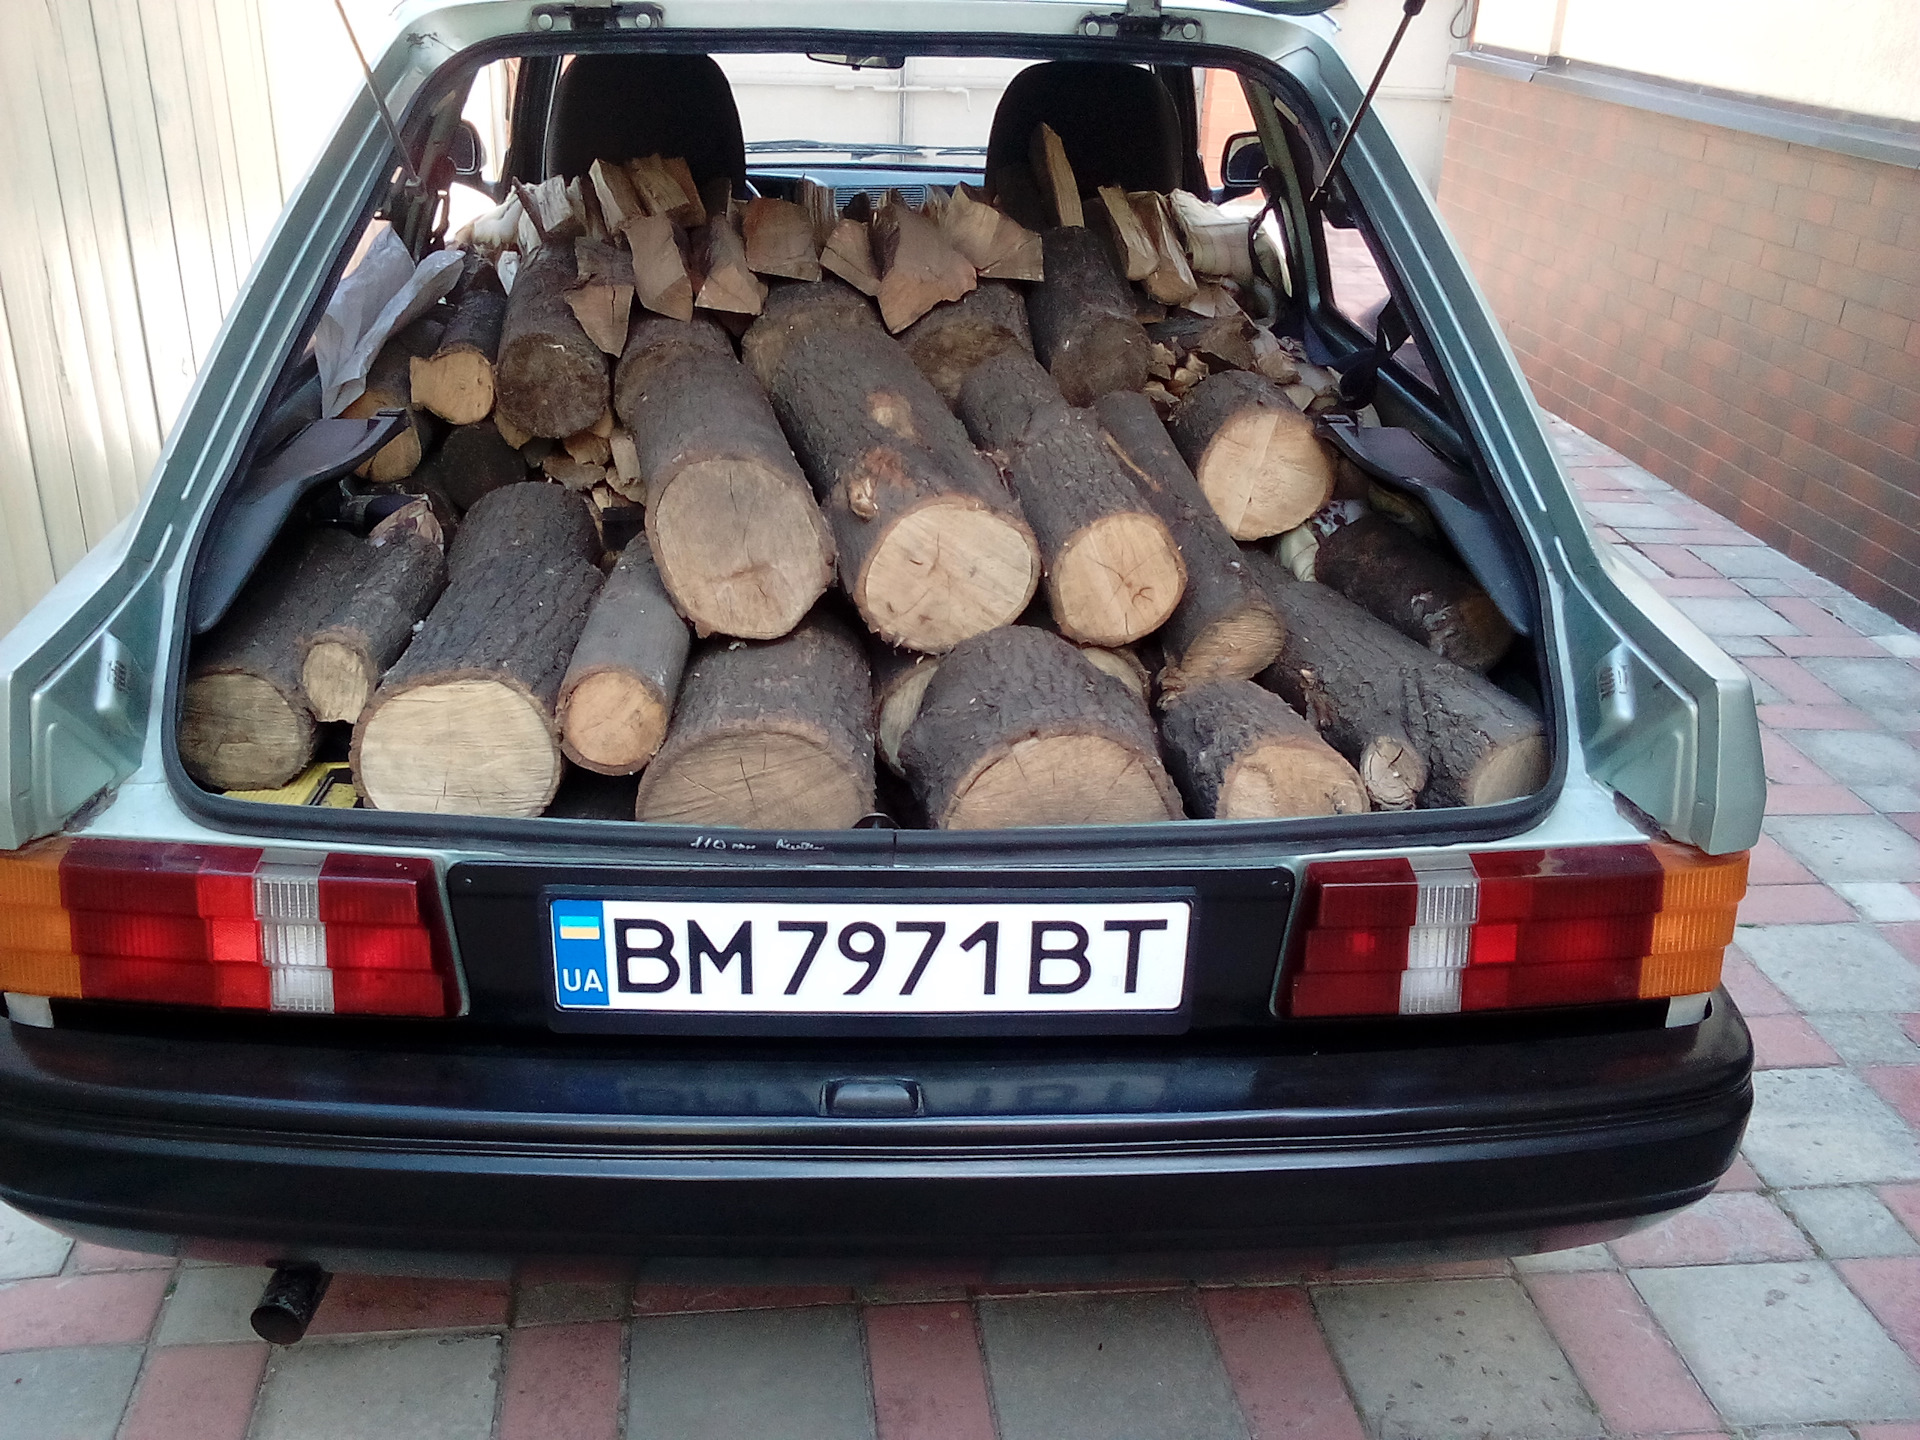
(996, 245)
(1255, 455)
(1139, 257)
(463, 724)
(900, 680)
(577, 475)
(660, 279)
(1017, 728)
(389, 386)
(817, 200)
(619, 688)
(1084, 330)
(952, 338)
(1059, 191)
(1224, 627)
(546, 214)
(1113, 571)
(716, 199)
(628, 479)
(1216, 241)
(666, 187)
(601, 296)
(585, 205)
(1414, 724)
(724, 280)
(244, 721)
(1171, 281)
(779, 239)
(1226, 342)
(455, 381)
(739, 539)
(918, 269)
(550, 378)
(1240, 752)
(346, 656)
(932, 548)
(1394, 575)
(769, 735)
(619, 200)
(848, 253)
(590, 447)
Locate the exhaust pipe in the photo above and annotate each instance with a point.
(286, 1306)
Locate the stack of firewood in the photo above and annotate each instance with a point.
(1093, 563)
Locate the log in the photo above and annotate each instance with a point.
(724, 282)
(463, 723)
(1119, 661)
(900, 680)
(993, 243)
(389, 386)
(817, 200)
(918, 269)
(550, 378)
(849, 254)
(601, 296)
(779, 239)
(954, 337)
(1139, 258)
(546, 216)
(1255, 455)
(1239, 752)
(472, 461)
(244, 721)
(1171, 281)
(1082, 315)
(1017, 728)
(1225, 342)
(1059, 190)
(1216, 241)
(931, 546)
(667, 189)
(660, 279)
(769, 735)
(1414, 724)
(1224, 626)
(353, 647)
(619, 687)
(455, 380)
(1113, 571)
(739, 540)
(613, 186)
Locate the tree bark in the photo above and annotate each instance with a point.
(244, 721)
(740, 542)
(390, 387)
(954, 337)
(918, 269)
(1017, 728)
(1224, 627)
(473, 461)
(1240, 752)
(349, 652)
(769, 735)
(549, 379)
(619, 688)
(463, 723)
(1256, 456)
(1113, 571)
(1084, 330)
(932, 548)
(455, 380)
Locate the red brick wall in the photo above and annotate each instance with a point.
(1737, 314)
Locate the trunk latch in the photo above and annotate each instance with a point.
(599, 15)
(1142, 20)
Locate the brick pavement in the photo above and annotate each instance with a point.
(1787, 1304)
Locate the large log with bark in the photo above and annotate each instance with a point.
(769, 735)
(244, 721)
(352, 648)
(464, 722)
(739, 539)
(932, 547)
(389, 386)
(472, 461)
(549, 379)
(1416, 726)
(1082, 314)
(954, 337)
(1224, 627)
(1239, 752)
(1254, 454)
(455, 380)
(1017, 728)
(619, 687)
(1113, 570)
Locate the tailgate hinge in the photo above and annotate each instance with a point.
(1142, 20)
(599, 15)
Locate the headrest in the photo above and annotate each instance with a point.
(1117, 122)
(620, 107)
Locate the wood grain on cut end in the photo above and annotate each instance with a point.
(612, 722)
(1240, 752)
(897, 705)
(1256, 457)
(338, 681)
(768, 780)
(620, 684)
(1119, 579)
(944, 571)
(1510, 772)
(1059, 780)
(238, 731)
(459, 747)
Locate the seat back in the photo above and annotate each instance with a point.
(620, 107)
(1117, 123)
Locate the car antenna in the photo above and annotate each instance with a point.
(1413, 8)
(386, 115)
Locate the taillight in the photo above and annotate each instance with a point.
(215, 925)
(1512, 929)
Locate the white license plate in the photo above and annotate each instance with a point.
(781, 958)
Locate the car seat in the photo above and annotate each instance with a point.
(1117, 122)
(620, 107)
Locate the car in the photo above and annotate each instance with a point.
(316, 1035)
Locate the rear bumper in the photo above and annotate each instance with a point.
(300, 1149)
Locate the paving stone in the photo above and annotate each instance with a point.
(1861, 758)
(28, 1248)
(1561, 1262)
(1833, 967)
(1786, 765)
(929, 1379)
(1899, 1086)
(1783, 1042)
(1849, 847)
(1731, 1228)
(1626, 1364)
(558, 1302)
(1849, 1222)
(1891, 1289)
(1858, 614)
(1140, 1365)
(1740, 561)
(1815, 717)
(1742, 647)
(1906, 644)
(68, 1310)
(799, 1374)
(66, 1394)
(1782, 1344)
(422, 1387)
(699, 1299)
(368, 1304)
(1734, 617)
(1751, 990)
(212, 1304)
(562, 1382)
(1283, 1374)
(1890, 799)
(1636, 515)
(1795, 904)
(1904, 1202)
(100, 1259)
(1881, 900)
(1889, 684)
(1814, 800)
(1461, 1358)
(1768, 863)
(1826, 1127)
(1867, 1038)
(196, 1392)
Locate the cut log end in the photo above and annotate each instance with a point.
(1393, 773)
(1512, 770)
(1290, 777)
(456, 385)
(1117, 580)
(492, 751)
(1238, 646)
(761, 780)
(899, 705)
(612, 723)
(945, 571)
(239, 732)
(338, 681)
(742, 549)
(1265, 472)
(1059, 780)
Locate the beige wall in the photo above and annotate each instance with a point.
(1418, 90)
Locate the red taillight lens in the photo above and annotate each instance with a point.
(1512, 929)
(226, 927)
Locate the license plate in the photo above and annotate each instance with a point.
(780, 958)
